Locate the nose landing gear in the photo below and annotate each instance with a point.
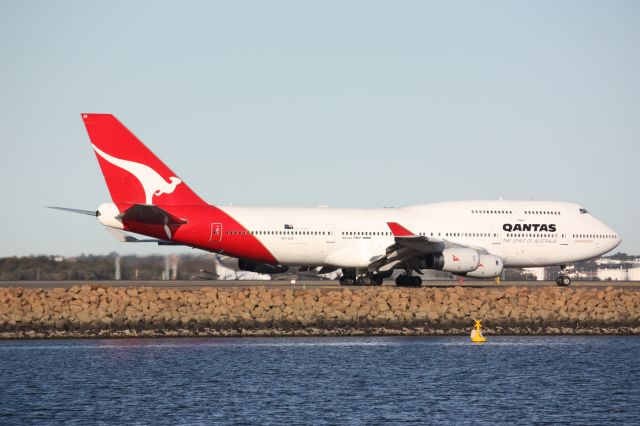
(563, 280)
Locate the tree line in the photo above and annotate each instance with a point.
(103, 267)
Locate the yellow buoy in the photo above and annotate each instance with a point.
(476, 333)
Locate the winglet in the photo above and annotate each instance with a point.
(398, 230)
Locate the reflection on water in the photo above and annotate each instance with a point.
(321, 380)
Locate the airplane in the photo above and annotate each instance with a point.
(475, 239)
(226, 268)
(224, 271)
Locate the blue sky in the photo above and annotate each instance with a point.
(284, 103)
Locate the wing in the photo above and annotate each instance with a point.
(408, 246)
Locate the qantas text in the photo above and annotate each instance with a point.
(529, 227)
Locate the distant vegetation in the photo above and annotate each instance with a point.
(622, 256)
(91, 267)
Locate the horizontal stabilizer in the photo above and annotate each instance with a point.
(127, 238)
(121, 236)
(66, 209)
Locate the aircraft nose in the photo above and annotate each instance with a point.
(612, 240)
(618, 239)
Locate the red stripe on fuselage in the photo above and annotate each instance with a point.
(235, 241)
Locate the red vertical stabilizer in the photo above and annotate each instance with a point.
(132, 172)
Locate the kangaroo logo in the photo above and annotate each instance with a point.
(151, 181)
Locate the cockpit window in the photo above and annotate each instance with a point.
(583, 211)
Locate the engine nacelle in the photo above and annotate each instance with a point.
(457, 260)
(490, 266)
(261, 268)
(108, 215)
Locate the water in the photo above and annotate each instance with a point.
(363, 380)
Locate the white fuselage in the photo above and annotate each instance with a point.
(522, 233)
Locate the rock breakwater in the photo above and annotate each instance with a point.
(92, 310)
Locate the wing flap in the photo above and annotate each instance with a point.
(420, 243)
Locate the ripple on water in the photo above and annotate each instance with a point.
(522, 379)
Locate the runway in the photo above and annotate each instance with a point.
(308, 284)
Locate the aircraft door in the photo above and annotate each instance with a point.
(331, 234)
(496, 235)
(216, 232)
(564, 236)
(518, 211)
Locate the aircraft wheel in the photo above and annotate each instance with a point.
(346, 280)
(364, 280)
(416, 281)
(376, 280)
(402, 280)
(563, 280)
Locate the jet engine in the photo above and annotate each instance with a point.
(261, 268)
(490, 266)
(456, 260)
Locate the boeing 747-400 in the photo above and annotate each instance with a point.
(468, 238)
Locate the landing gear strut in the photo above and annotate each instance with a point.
(563, 279)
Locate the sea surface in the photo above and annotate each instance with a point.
(346, 380)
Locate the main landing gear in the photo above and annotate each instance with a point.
(408, 280)
(563, 279)
(350, 278)
(405, 280)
